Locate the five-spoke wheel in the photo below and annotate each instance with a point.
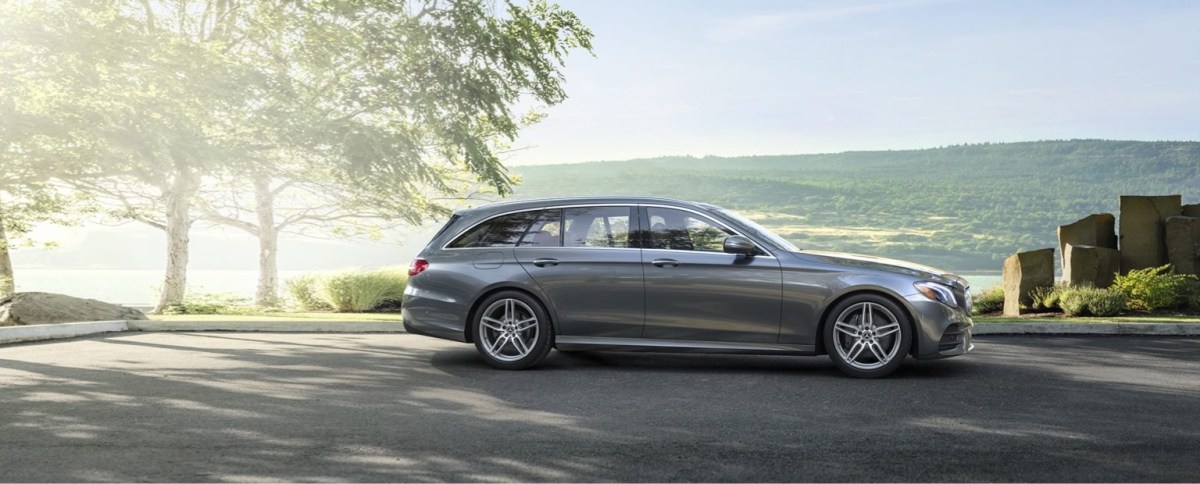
(867, 336)
(512, 331)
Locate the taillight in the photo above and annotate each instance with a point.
(417, 266)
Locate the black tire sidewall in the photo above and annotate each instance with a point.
(540, 347)
(905, 335)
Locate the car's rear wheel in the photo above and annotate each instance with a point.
(512, 330)
(867, 336)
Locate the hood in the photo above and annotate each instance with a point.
(884, 264)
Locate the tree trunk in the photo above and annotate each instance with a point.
(7, 283)
(179, 223)
(268, 243)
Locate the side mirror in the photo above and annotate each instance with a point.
(736, 244)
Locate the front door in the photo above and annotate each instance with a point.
(697, 292)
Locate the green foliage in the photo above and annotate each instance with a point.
(1090, 301)
(1193, 295)
(363, 290)
(212, 303)
(989, 300)
(351, 290)
(1047, 298)
(304, 292)
(964, 207)
(1155, 288)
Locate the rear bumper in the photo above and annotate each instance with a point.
(415, 326)
(432, 314)
(942, 331)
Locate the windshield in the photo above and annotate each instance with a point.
(759, 230)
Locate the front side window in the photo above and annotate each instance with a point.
(502, 231)
(681, 230)
(596, 227)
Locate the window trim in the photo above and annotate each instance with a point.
(633, 207)
(638, 209)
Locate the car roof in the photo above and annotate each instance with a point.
(599, 199)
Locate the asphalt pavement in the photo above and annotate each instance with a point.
(399, 407)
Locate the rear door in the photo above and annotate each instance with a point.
(695, 291)
(589, 267)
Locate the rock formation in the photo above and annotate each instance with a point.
(1095, 230)
(1183, 244)
(1023, 273)
(1143, 229)
(1085, 265)
(45, 308)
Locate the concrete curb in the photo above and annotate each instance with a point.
(1161, 329)
(315, 326)
(35, 332)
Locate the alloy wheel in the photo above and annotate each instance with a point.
(508, 330)
(867, 336)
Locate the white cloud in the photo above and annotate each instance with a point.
(762, 25)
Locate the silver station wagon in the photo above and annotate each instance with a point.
(652, 274)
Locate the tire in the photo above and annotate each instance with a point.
(867, 336)
(512, 330)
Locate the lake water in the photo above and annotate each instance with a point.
(140, 287)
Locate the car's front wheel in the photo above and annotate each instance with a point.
(512, 330)
(867, 336)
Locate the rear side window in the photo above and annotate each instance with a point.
(546, 231)
(596, 227)
(502, 231)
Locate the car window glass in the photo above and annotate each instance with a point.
(596, 227)
(502, 231)
(681, 230)
(545, 231)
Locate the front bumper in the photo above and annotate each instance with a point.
(942, 331)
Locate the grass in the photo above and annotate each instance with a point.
(1058, 318)
(281, 316)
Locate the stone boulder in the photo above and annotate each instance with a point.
(1085, 265)
(1023, 273)
(1183, 244)
(1143, 229)
(1192, 210)
(45, 308)
(1096, 230)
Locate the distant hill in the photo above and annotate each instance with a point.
(963, 207)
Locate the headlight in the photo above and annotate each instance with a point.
(937, 292)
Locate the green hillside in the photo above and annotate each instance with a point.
(959, 207)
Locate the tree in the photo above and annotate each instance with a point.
(383, 98)
(370, 114)
(311, 204)
(41, 114)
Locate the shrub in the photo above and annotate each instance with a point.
(989, 300)
(1155, 288)
(303, 290)
(211, 303)
(1047, 298)
(363, 290)
(1193, 296)
(1085, 301)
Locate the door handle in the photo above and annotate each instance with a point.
(545, 261)
(664, 262)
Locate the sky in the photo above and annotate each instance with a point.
(689, 77)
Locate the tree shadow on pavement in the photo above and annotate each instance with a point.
(305, 407)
